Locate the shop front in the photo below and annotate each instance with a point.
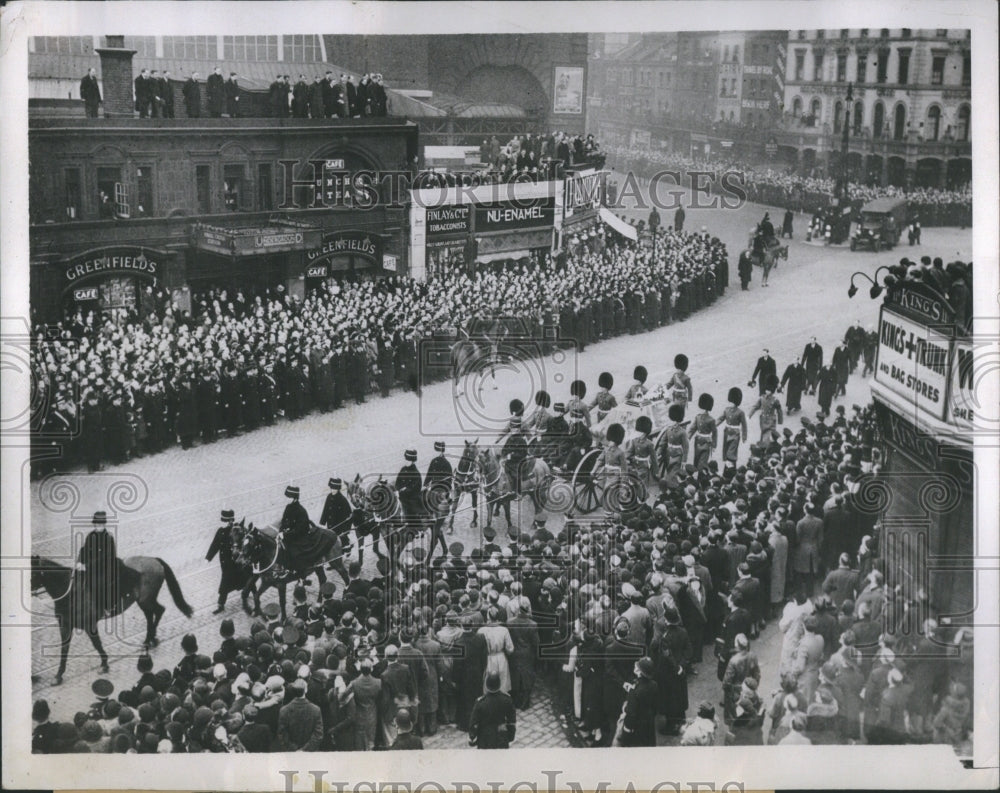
(448, 240)
(250, 258)
(347, 254)
(925, 420)
(514, 230)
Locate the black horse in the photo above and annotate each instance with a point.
(265, 553)
(76, 610)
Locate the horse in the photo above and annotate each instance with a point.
(266, 553)
(772, 251)
(465, 479)
(496, 485)
(466, 358)
(75, 610)
(368, 518)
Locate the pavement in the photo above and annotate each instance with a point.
(168, 505)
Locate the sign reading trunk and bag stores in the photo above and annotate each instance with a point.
(913, 362)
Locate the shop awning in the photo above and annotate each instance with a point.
(493, 257)
(276, 237)
(626, 230)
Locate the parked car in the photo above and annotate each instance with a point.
(882, 223)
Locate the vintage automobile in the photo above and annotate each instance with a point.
(882, 223)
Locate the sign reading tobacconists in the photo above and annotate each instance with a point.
(347, 243)
(507, 215)
(121, 261)
(913, 362)
(443, 221)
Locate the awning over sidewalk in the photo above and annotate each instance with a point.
(619, 225)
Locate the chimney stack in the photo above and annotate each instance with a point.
(116, 75)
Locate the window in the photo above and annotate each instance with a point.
(962, 127)
(841, 67)
(144, 46)
(303, 49)
(736, 53)
(843, 33)
(144, 192)
(725, 53)
(906, 33)
(800, 64)
(937, 70)
(815, 110)
(966, 69)
(882, 69)
(942, 33)
(233, 187)
(63, 45)
(838, 112)
(818, 66)
(899, 123)
(862, 76)
(821, 34)
(203, 188)
(797, 107)
(202, 48)
(933, 129)
(71, 182)
(250, 48)
(802, 35)
(884, 33)
(904, 67)
(878, 121)
(864, 33)
(859, 114)
(109, 181)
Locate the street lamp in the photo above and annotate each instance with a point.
(874, 292)
(841, 189)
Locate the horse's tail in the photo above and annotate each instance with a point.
(175, 590)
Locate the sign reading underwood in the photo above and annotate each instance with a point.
(507, 215)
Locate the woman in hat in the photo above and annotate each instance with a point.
(637, 723)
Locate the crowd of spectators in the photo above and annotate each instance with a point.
(124, 383)
(801, 193)
(616, 615)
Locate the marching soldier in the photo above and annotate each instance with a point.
(604, 401)
(578, 390)
(640, 450)
(233, 578)
(438, 484)
(638, 389)
(769, 407)
(704, 432)
(538, 421)
(613, 462)
(766, 369)
(734, 429)
(515, 449)
(812, 360)
(672, 445)
(681, 391)
(337, 512)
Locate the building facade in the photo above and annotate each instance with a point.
(909, 119)
(120, 204)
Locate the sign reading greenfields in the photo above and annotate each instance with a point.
(121, 260)
(340, 243)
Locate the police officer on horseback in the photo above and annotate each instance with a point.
(337, 512)
(294, 520)
(438, 484)
(98, 564)
(222, 544)
(409, 487)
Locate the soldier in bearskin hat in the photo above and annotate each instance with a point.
(769, 407)
(233, 576)
(604, 401)
(672, 445)
(538, 421)
(638, 388)
(516, 408)
(640, 451)
(578, 440)
(679, 384)
(578, 390)
(734, 428)
(704, 432)
(613, 462)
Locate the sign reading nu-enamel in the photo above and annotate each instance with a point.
(507, 215)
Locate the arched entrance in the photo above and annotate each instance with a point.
(112, 278)
(508, 85)
(959, 172)
(896, 171)
(928, 172)
(873, 169)
(878, 120)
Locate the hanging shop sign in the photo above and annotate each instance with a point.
(913, 362)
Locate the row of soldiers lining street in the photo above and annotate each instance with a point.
(116, 386)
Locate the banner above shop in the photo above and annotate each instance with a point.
(276, 238)
(120, 260)
(509, 215)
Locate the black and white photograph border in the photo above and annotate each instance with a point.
(703, 232)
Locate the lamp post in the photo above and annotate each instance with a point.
(841, 189)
